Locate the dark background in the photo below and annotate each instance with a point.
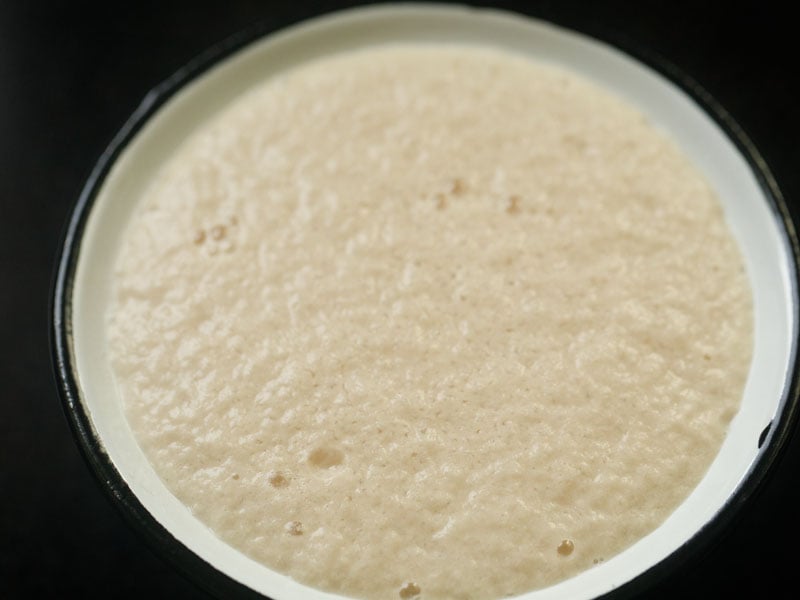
(72, 72)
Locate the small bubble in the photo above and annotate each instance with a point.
(409, 590)
(294, 528)
(566, 547)
(278, 480)
(325, 458)
(218, 232)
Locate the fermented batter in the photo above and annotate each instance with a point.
(430, 321)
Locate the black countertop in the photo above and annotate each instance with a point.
(72, 72)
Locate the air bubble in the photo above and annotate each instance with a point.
(278, 479)
(326, 457)
(218, 232)
(409, 590)
(294, 528)
(566, 547)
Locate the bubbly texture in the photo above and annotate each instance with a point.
(430, 321)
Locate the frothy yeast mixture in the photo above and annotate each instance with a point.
(430, 321)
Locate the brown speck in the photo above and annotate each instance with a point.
(566, 547)
(707, 356)
(409, 590)
(441, 201)
(459, 187)
(218, 232)
(199, 237)
(278, 480)
(235, 476)
(513, 204)
(233, 220)
(294, 528)
(325, 458)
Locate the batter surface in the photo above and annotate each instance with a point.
(430, 321)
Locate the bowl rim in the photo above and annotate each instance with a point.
(772, 442)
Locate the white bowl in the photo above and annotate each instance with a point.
(752, 204)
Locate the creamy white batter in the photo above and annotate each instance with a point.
(431, 322)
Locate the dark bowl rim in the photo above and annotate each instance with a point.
(772, 442)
